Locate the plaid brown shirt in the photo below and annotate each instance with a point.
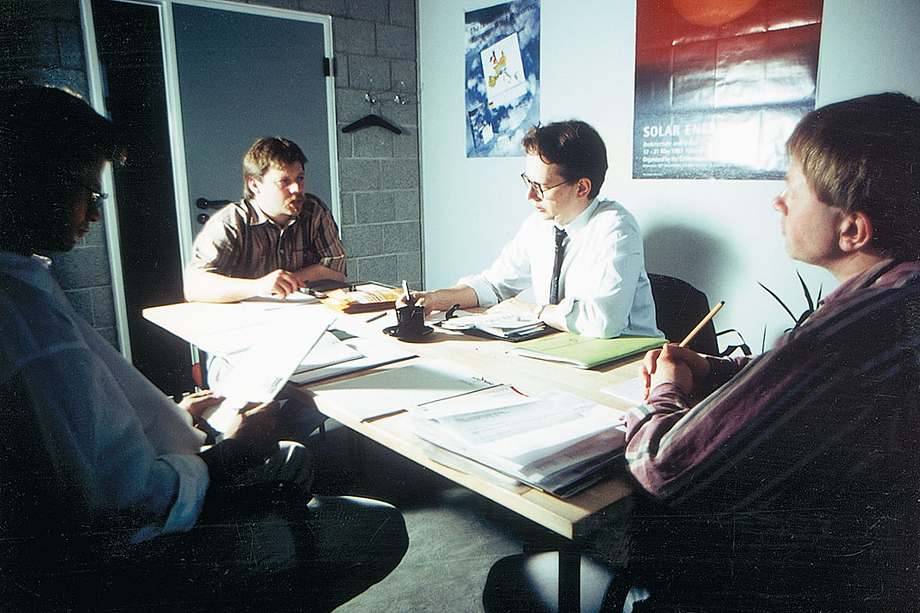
(241, 241)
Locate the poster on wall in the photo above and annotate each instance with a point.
(720, 84)
(502, 77)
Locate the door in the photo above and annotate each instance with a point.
(243, 76)
(189, 103)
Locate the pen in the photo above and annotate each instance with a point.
(376, 317)
(406, 292)
(700, 325)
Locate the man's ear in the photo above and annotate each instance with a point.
(856, 232)
(253, 184)
(583, 187)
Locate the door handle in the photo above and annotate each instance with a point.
(204, 203)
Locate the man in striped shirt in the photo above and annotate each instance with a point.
(274, 241)
(787, 482)
(792, 484)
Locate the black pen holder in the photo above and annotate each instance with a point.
(410, 321)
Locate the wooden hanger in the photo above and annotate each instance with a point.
(369, 121)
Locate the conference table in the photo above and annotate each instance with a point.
(572, 517)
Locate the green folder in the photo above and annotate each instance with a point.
(584, 351)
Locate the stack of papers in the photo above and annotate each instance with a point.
(500, 325)
(557, 442)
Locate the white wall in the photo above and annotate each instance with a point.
(722, 236)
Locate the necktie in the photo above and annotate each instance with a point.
(557, 266)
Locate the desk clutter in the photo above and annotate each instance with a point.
(545, 438)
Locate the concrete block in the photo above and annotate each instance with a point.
(374, 142)
(354, 36)
(402, 13)
(368, 73)
(407, 205)
(381, 269)
(375, 207)
(403, 237)
(374, 10)
(395, 41)
(399, 174)
(359, 175)
(362, 241)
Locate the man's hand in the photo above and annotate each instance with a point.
(513, 306)
(257, 427)
(673, 364)
(443, 299)
(197, 404)
(279, 283)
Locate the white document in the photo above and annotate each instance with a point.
(328, 351)
(259, 370)
(370, 355)
(631, 391)
(399, 389)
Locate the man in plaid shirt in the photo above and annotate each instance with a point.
(274, 241)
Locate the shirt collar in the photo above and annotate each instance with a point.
(34, 270)
(576, 225)
(259, 217)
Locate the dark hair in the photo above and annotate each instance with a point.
(265, 153)
(864, 155)
(573, 145)
(49, 140)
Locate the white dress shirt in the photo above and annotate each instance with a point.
(130, 448)
(603, 287)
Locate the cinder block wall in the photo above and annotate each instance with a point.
(375, 49)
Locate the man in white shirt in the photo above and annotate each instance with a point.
(594, 283)
(109, 501)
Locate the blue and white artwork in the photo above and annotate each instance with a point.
(502, 77)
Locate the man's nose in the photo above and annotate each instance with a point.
(779, 202)
(532, 193)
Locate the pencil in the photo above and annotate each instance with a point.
(700, 325)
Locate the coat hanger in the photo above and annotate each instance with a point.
(369, 121)
(372, 119)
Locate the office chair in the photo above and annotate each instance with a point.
(679, 307)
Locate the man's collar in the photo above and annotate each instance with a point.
(32, 270)
(259, 217)
(574, 226)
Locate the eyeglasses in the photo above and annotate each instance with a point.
(539, 189)
(95, 200)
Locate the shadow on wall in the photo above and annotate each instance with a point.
(699, 258)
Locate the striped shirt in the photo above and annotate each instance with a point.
(807, 457)
(241, 241)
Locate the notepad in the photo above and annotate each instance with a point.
(584, 351)
(362, 298)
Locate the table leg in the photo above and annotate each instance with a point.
(569, 581)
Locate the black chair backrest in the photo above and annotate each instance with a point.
(679, 307)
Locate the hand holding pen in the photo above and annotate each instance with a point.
(677, 364)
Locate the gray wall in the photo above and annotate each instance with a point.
(375, 48)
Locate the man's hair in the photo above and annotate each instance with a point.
(574, 146)
(863, 155)
(49, 141)
(265, 153)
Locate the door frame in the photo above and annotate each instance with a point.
(176, 133)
